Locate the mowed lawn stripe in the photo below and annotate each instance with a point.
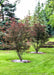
(42, 63)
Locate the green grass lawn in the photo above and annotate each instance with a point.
(41, 64)
(51, 39)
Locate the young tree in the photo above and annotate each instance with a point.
(18, 34)
(39, 36)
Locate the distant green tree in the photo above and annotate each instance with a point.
(49, 11)
(37, 13)
(41, 17)
(45, 20)
(7, 9)
(49, 8)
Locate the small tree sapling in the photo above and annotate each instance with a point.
(18, 34)
(39, 36)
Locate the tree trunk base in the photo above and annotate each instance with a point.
(37, 53)
(23, 61)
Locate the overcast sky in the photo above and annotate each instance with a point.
(25, 5)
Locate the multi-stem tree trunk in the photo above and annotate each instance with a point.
(18, 52)
(19, 55)
(36, 50)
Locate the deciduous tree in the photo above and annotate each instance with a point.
(39, 36)
(18, 34)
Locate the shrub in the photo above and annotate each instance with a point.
(18, 34)
(39, 36)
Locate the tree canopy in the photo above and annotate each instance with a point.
(49, 8)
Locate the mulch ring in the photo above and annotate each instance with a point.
(37, 53)
(48, 45)
(23, 61)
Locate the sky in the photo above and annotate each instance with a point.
(24, 6)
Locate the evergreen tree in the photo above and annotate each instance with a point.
(40, 16)
(49, 10)
(7, 9)
(37, 13)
